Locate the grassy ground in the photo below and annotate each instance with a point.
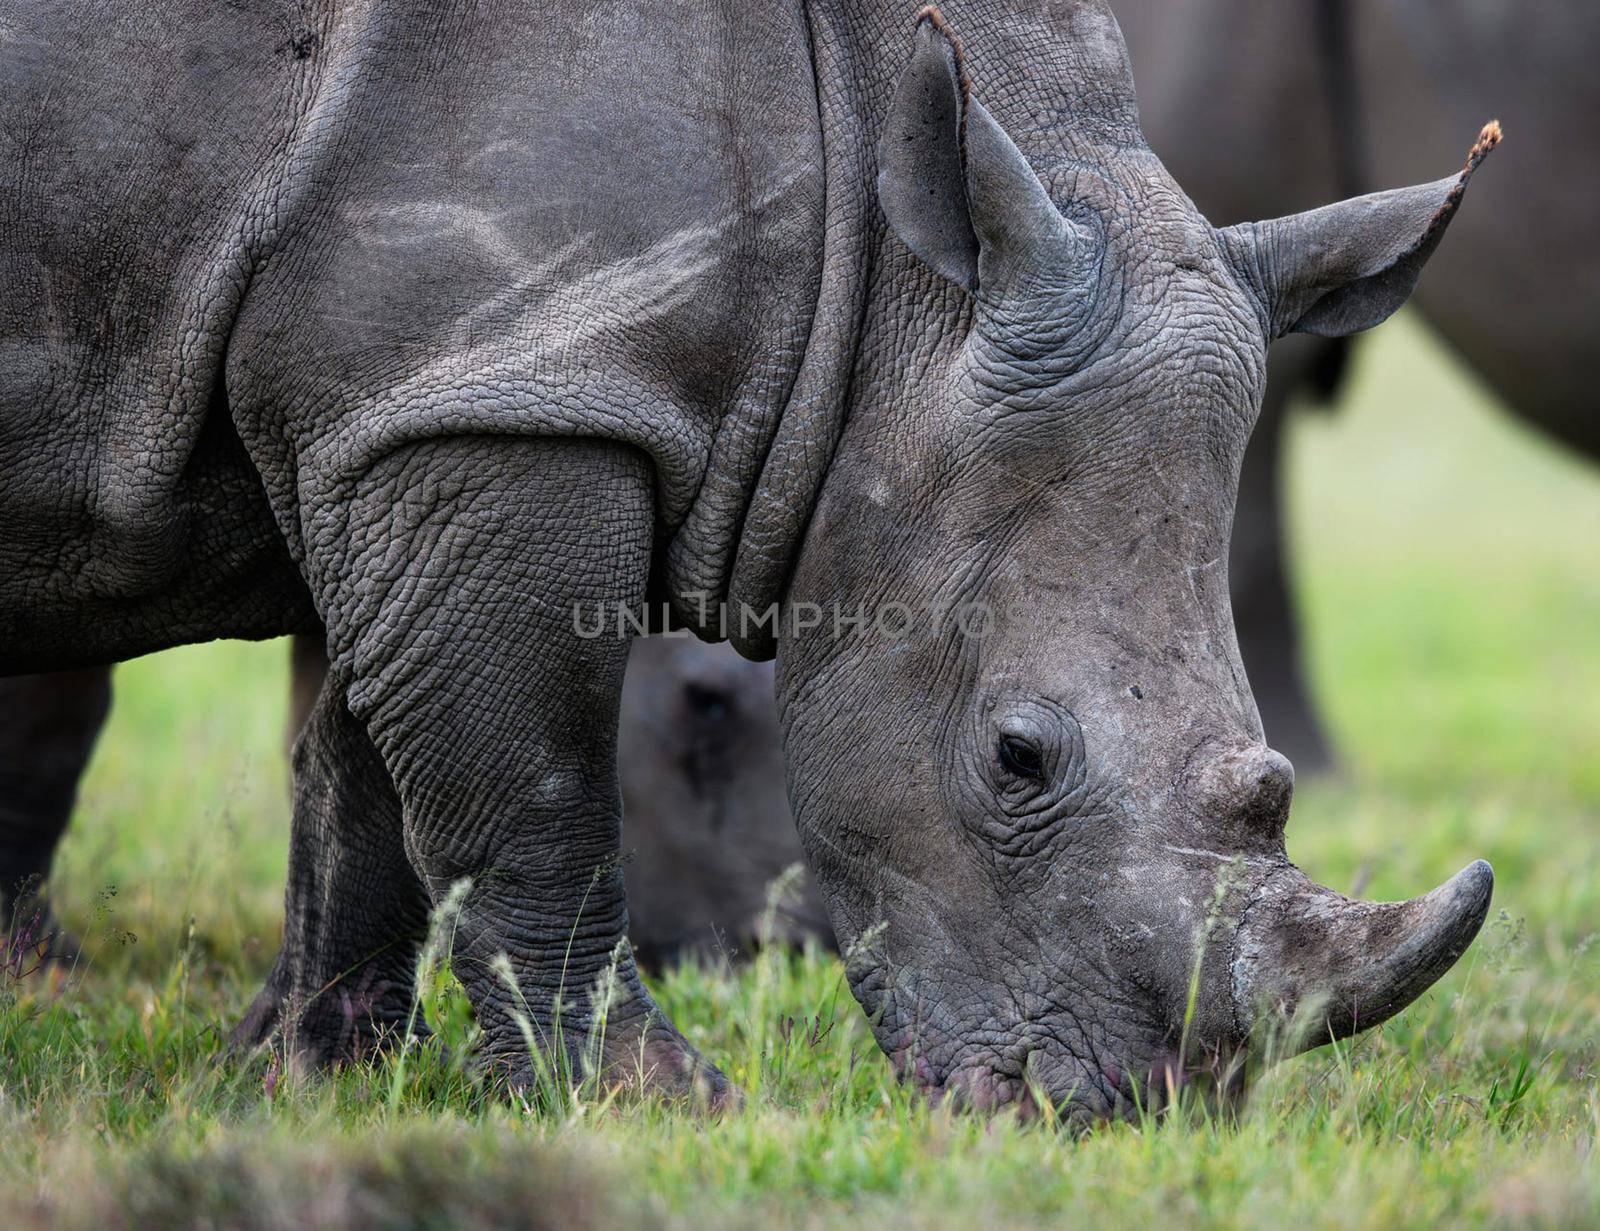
(1452, 583)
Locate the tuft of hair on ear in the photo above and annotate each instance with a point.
(930, 13)
(1489, 136)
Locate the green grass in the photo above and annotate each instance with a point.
(1452, 585)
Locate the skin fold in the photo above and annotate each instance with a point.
(436, 337)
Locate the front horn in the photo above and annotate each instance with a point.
(1327, 966)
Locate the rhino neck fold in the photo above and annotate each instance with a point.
(803, 442)
(858, 51)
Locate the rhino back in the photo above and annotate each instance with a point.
(353, 226)
(571, 219)
(1517, 291)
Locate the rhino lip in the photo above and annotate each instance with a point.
(992, 1080)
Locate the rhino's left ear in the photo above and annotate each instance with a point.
(1347, 267)
(953, 185)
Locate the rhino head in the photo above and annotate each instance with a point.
(1032, 782)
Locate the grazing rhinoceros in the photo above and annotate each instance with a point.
(1333, 97)
(708, 833)
(460, 331)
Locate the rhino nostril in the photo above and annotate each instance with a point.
(1247, 782)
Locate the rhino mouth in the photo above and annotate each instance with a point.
(1305, 966)
(1075, 1092)
(1045, 1065)
(1079, 1092)
(996, 1082)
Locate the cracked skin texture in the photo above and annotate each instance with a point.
(429, 326)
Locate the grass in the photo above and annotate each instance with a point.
(1451, 581)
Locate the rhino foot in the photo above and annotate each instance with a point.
(347, 1021)
(36, 939)
(663, 1064)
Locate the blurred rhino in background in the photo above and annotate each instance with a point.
(705, 806)
(708, 825)
(1263, 108)
(48, 726)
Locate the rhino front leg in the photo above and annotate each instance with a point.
(460, 564)
(354, 913)
(48, 727)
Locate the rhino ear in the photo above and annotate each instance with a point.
(953, 185)
(1346, 267)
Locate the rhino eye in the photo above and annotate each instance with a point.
(708, 703)
(1021, 758)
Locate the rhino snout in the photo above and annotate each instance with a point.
(1246, 784)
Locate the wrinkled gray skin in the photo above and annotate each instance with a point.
(435, 328)
(1519, 303)
(708, 830)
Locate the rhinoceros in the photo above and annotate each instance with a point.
(896, 356)
(1332, 97)
(708, 839)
